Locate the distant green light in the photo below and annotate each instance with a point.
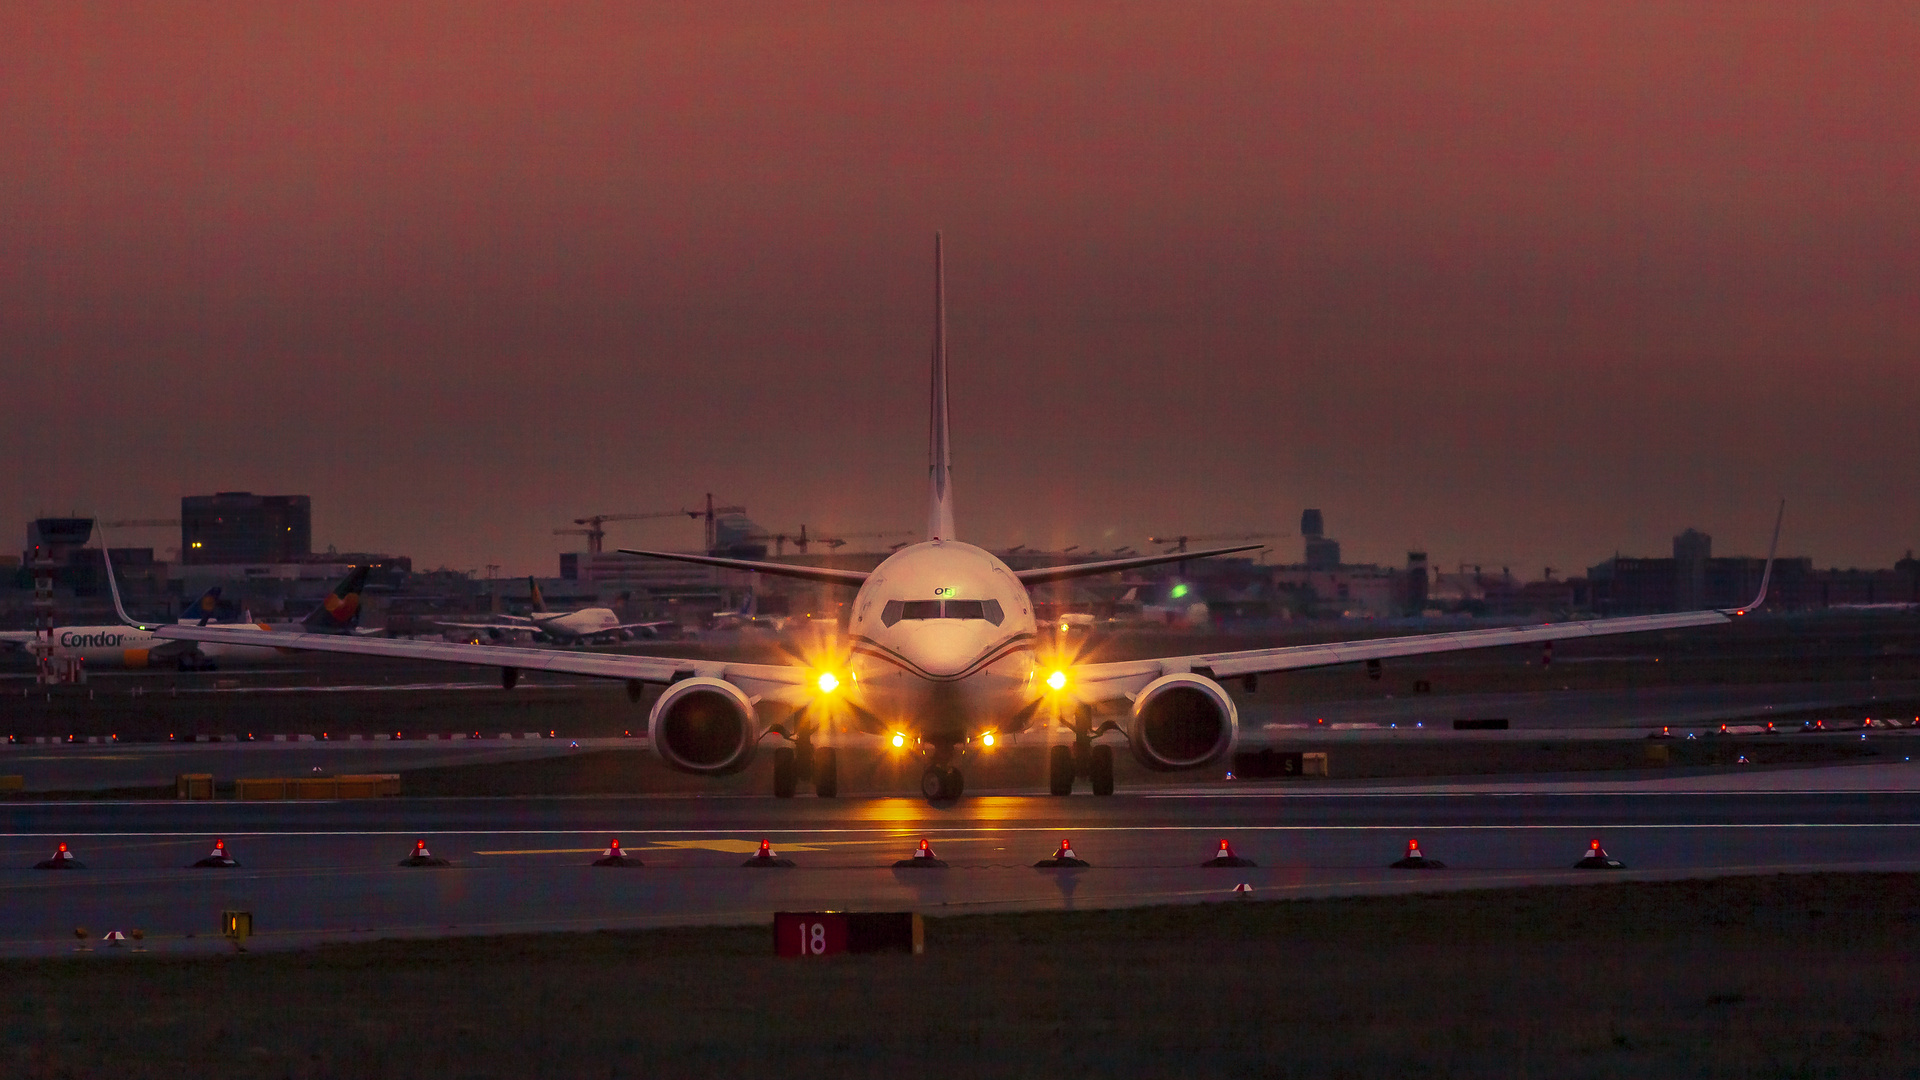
(1179, 591)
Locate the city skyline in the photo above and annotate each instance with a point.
(1518, 286)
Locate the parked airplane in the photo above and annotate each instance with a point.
(577, 627)
(944, 658)
(747, 617)
(126, 645)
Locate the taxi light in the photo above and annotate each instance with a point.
(828, 682)
(899, 740)
(987, 739)
(1057, 680)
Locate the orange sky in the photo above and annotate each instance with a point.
(1519, 284)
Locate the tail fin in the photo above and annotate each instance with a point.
(539, 602)
(939, 448)
(339, 610)
(206, 608)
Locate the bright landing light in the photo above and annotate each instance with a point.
(899, 740)
(987, 739)
(1057, 680)
(828, 682)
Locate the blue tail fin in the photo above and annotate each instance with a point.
(206, 609)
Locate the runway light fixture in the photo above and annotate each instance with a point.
(899, 740)
(1057, 680)
(828, 682)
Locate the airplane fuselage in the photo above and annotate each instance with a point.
(584, 622)
(119, 646)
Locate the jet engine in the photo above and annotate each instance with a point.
(1182, 721)
(704, 726)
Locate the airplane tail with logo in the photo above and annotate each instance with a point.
(204, 610)
(539, 602)
(339, 610)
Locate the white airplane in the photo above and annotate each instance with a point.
(576, 627)
(941, 659)
(747, 617)
(126, 645)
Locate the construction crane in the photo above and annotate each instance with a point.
(595, 524)
(801, 540)
(1180, 542)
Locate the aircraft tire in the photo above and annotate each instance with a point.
(785, 773)
(826, 772)
(933, 783)
(1100, 769)
(1060, 770)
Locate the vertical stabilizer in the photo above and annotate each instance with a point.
(939, 447)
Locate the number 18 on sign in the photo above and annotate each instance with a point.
(809, 933)
(825, 933)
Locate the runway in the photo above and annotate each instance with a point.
(314, 872)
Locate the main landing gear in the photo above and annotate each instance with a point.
(1083, 758)
(804, 761)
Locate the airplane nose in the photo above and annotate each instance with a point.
(942, 650)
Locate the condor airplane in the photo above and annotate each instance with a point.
(941, 657)
(135, 645)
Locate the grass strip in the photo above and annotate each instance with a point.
(1786, 975)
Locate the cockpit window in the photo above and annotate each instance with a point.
(895, 610)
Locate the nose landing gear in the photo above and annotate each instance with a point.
(942, 782)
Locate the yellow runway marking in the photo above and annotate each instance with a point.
(731, 847)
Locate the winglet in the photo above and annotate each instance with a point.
(1766, 575)
(939, 447)
(113, 586)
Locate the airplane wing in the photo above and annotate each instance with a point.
(14, 640)
(1040, 575)
(1093, 683)
(1099, 682)
(654, 625)
(755, 679)
(855, 578)
(522, 628)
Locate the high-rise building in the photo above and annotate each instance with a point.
(241, 527)
(1691, 551)
(1323, 552)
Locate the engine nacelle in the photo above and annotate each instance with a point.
(1182, 721)
(704, 726)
